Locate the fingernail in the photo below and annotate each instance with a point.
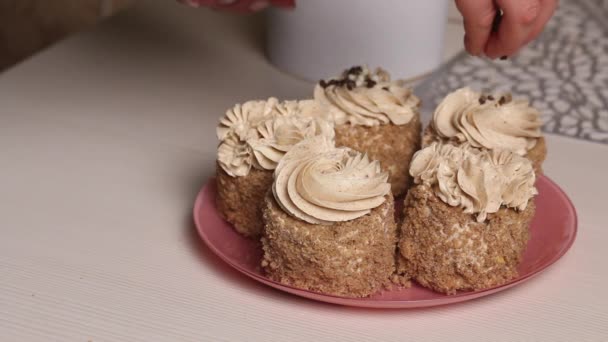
(497, 21)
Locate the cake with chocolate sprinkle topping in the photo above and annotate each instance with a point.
(490, 122)
(375, 115)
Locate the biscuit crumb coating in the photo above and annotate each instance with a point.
(446, 250)
(392, 145)
(240, 199)
(352, 259)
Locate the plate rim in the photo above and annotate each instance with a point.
(360, 302)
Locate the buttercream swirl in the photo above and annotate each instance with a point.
(487, 121)
(362, 97)
(243, 118)
(258, 133)
(321, 184)
(279, 134)
(478, 180)
(234, 155)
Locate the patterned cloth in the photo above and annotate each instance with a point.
(564, 73)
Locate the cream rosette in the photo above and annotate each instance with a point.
(235, 156)
(280, 134)
(479, 181)
(320, 184)
(243, 118)
(363, 97)
(487, 121)
(258, 133)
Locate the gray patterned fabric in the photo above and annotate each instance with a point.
(564, 73)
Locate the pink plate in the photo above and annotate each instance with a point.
(552, 233)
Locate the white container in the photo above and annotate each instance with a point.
(321, 37)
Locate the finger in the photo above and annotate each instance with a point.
(515, 28)
(547, 9)
(478, 16)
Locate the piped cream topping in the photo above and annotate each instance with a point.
(363, 97)
(243, 118)
(320, 184)
(234, 155)
(280, 134)
(478, 180)
(259, 133)
(487, 121)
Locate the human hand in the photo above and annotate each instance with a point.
(239, 5)
(522, 21)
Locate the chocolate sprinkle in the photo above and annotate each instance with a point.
(482, 100)
(348, 79)
(356, 70)
(490, 97)
(505, 99)
(385, 88)
(502, 58)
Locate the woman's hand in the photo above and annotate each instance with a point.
(522, 21)
(240, 5)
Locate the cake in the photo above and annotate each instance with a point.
(490, 122)
(466, 220)
(374, 115)
(329, 222)
(254, 136)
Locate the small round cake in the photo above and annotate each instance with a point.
(253, 138)
(490, 122)
(329, 222)
(374, 115)
(467, 218)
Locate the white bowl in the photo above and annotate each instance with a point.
(321, 37)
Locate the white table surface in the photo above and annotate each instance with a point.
(106, 138)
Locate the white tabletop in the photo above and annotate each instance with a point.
(106, 138)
